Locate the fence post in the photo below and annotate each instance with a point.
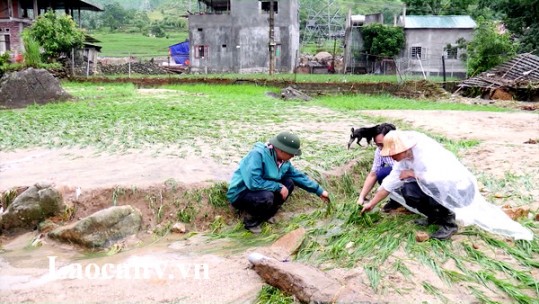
(73, 62)
(88, 65)
(421, 66)
(443, 68)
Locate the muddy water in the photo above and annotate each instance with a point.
(193, 270)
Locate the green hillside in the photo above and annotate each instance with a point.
(357, 7)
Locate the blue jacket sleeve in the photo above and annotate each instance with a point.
(303, 181)
(251, 173)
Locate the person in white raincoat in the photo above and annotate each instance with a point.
(430, 180)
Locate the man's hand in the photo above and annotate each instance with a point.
(360, 201)
(284, 192)
(325, 196)
(367, 207)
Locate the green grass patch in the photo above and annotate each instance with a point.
(186, 119)
(272, 295)
(285, 77)
(135, 44)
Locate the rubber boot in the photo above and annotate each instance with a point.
(390, 206)
(447, 227)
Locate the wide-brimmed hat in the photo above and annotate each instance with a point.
(396, 142)
(287, 142)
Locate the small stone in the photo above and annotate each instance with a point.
(178, 228)
(537, 217)
(475, 246)
(421, 236)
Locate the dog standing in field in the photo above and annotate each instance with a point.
(364, 132)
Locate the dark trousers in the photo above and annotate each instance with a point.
(436, 213)
(382, 173)
(259, 206)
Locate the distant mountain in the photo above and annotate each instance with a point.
(357, 7)
(147, 5)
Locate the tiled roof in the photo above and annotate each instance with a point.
(520, 72)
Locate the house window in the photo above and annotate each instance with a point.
(265, 6)
(201, 51)
(416, 52)
(5, 43)
(452, 53)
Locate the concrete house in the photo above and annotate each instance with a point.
(355, 61)
(233, 36)
(15, 15)
(427, 38)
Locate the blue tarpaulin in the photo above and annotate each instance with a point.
(180, 52)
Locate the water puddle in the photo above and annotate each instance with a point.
(173, 268)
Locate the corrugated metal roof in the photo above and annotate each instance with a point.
(439, 22)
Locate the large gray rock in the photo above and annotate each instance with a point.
(306, 283)
(32, 206)
(102, 228)
(19, 89)
(292, 93)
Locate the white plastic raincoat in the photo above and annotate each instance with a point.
(443, 177)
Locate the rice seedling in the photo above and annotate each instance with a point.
(116, 193)
(481, 296)
(8, 197)
(217, 195)
(374, 276)
(272, 295)
(186, 214)
(434, 291)
(399, 266)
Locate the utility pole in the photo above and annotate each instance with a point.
(271, 38)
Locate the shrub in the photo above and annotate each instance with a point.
(32, 54)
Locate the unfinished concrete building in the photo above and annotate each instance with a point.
(16, 15)
(234, 36)
(355, 58)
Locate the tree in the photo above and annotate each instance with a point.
(382, 40)
(114, 16)
(488, 48)
(439, 7)
(521, 18)
(56, 34)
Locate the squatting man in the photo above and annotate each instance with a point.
(431, 181)
(265, 179)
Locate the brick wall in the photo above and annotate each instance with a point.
(12, 29)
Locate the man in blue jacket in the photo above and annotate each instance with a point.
(265, 178)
